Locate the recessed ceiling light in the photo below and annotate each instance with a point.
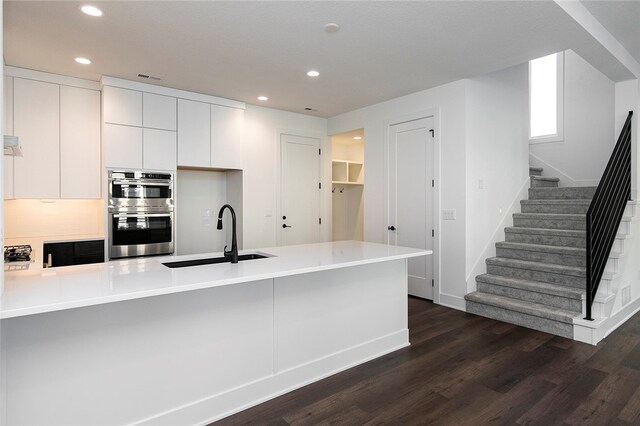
(313, 73)
(91, 10)
(357, 138)
(83, 61)
(263, 98)
(332, 27)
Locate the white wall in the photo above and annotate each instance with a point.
(199, 196)
(581, 157)
(627, 96)
(498, 156)
(261, 175)
(449, 101)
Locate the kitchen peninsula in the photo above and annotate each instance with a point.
(136, 342)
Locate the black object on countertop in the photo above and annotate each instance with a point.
(73, 253)
(20, 253)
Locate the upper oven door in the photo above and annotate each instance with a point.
(140, 192)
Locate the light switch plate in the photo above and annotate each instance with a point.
(267, 212)
(448, 215)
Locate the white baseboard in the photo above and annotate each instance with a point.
(593, 332)
(451, 301)
(622, 316)
(216, 407)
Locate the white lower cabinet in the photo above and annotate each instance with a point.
(122, 146)
(159, 149)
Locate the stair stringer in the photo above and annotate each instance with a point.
(607, 314)
(480, 267)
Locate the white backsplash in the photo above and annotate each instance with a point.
(52, 218)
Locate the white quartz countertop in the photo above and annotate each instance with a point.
(38, 291)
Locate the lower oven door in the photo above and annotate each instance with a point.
(140, 234)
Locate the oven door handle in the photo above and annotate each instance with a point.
(141, 182)
(119, 215)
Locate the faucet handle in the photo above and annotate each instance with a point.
(224, 250)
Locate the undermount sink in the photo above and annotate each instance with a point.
(212, 260)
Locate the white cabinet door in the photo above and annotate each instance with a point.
(122, 146)
(7, 171)
(159, 149)
(37, 124)
(79, 143)
(122, 106)
(158, 112)
(194, 133)
(226, 137)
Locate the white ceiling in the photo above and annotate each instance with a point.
(243, 49)
(621, 19)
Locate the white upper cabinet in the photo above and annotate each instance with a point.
(226, 137)
(79, 143)
(8, 130)
(37, 124)
(122, 146)
(158, 112)
(158, 149)
(194, 133)
(122, 106)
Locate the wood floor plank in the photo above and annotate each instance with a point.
(610, 396)
(631, 411)
(564, 399)
(462, 369)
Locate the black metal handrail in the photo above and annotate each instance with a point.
(606, 210)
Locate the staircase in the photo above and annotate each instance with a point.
(537, 279)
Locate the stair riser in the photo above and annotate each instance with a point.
(547, 277)
(572, 193)
(535, 172)
(547, 240)
(543, 184)
(524, 320)
(537, 256)
(531, 296)
(555, 209)
(577, 225)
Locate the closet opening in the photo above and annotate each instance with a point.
(347, 186)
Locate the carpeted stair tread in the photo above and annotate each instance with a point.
(550, 216)
(575, 271)
(557, 202)
(536, 286)
(545, 178)
(528, 308)
(572, 251)
(564, 193)
(547, 231)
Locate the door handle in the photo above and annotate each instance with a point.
(391, 228)
(284, 225)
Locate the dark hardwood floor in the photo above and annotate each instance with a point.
(463, 369)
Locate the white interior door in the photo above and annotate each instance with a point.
(411, 212)
(300, 190)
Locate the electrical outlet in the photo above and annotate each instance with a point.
(448, 215)
(267, 212)
(480, 184)
(626, 294)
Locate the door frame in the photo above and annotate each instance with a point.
(437, 219)
(326, 218)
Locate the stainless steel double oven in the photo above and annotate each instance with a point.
(140, 213)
